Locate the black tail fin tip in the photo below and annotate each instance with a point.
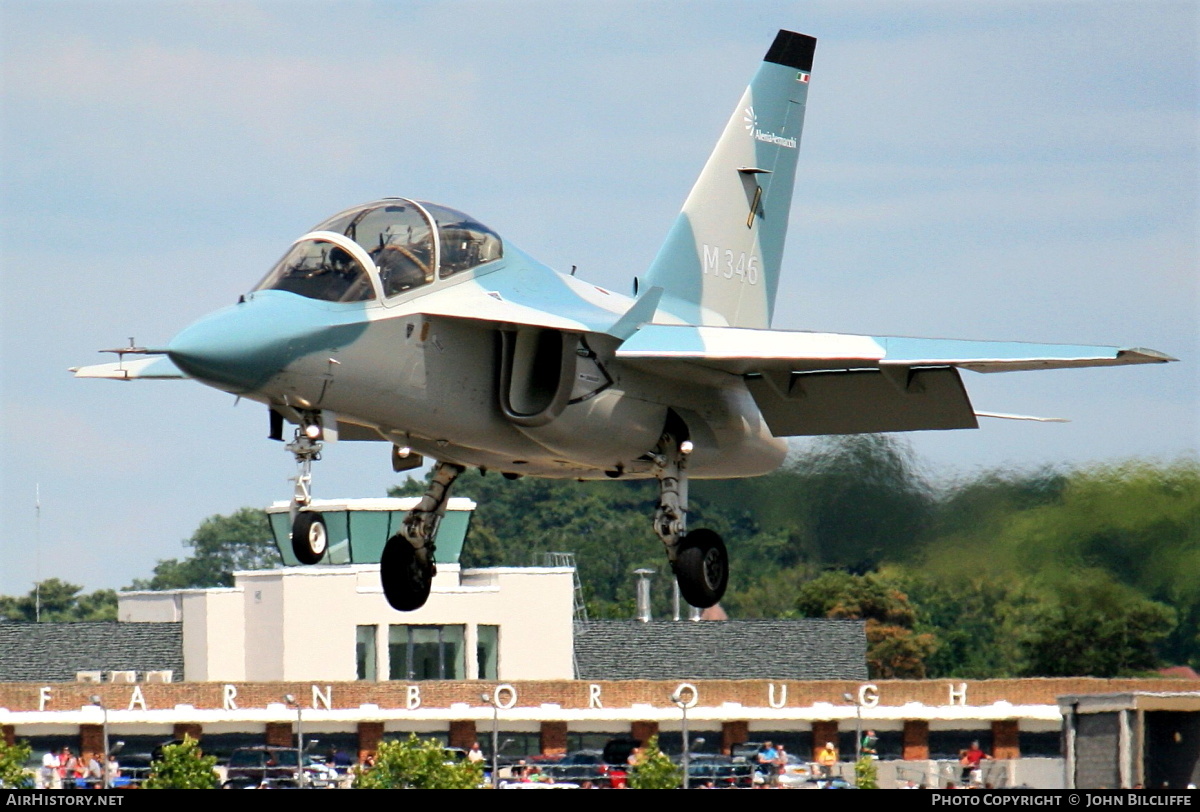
(792, 50)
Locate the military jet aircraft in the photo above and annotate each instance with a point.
(411, 323)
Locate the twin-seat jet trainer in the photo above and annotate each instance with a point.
(410, 323)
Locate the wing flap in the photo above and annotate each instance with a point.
(862, 401)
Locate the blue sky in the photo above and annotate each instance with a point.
(973, 170)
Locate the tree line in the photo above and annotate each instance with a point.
(1049, 572)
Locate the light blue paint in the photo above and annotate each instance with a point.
(952, 350)
(525, 281)
(242, 347)
(666, 340)
(777, 97)
(676, 269)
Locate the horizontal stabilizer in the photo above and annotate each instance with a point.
(155, 368)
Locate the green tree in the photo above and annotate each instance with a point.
(606, 524)
(13, 774)
(221, 545)
(60, 601)
(894, 649)
(654, 770)
(771, 595)
(183, 766)
(973, 618)
(417, 764)
(1089, 625)
(1003, 543)
(850, 502)
(866, 773)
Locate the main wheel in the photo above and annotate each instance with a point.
(406, 579)
(702, 568)
(310, 540)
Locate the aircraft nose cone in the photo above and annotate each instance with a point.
(229, 349)
(242, 348)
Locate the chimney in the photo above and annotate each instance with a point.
(643, 594)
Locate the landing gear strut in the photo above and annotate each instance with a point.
(310, 539)
(698, 559)
(407, 566)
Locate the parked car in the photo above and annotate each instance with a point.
(263, 765)
(320, 774)
(616, 757)
(796, 773)
(746, 751)
(722, 771)
(135, 769)
(580, 766)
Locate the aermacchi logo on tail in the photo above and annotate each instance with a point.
(751, 121)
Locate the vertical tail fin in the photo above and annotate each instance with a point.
(721, 259)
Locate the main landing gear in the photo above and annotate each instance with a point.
(698, 559)
(310, 539)
(407, 566)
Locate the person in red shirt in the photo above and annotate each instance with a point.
(971, 758)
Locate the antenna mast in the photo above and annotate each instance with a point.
(37, 543)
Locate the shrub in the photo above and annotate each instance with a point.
(417, 764)
(183, 766)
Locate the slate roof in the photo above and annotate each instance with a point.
(53, 652)
(731, 649)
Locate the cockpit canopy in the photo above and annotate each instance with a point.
(405, 243)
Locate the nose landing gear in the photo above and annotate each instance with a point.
(310, 539)
(699, 558)
(407, 567)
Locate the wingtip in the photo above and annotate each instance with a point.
(1147, 356)
(1028, 417)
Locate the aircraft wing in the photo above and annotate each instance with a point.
(741, 350)
(829, 383)
(155, 367)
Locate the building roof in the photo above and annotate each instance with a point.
(1188, 701)
(733, 649)
(55, 652)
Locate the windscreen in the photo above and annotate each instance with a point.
(319, 270)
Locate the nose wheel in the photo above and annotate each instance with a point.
(310, 539)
